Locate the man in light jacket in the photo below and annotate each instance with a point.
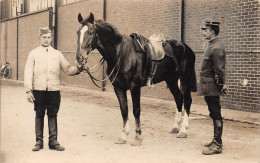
(42, 81)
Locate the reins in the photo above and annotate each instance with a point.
(101, 62)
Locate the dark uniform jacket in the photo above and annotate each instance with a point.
(213, 65)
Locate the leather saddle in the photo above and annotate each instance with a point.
(140, 42)
(152, 46)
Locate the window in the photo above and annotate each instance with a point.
(13, 8)
(40, 4)
(64, 2)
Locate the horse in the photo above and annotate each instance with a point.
(128, 69)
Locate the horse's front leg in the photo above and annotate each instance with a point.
(135, 93)
(122, 98)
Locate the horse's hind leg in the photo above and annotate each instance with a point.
(187, 103)
(173, 86)
(135, 93)
(122, 98)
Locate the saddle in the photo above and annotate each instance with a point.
(140, 42)
(152, 47)
(157, 40)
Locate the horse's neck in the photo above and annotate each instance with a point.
(109, 51)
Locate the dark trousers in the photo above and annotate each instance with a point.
(50, 101)
(46, 100)
(214, 107)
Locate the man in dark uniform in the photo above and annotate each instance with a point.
(212, 78)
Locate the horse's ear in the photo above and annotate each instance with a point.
(80, 19)
(91, 18)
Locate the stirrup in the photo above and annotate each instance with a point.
(149, 82)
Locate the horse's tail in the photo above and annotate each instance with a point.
(190, 67)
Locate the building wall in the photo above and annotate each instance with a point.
(240, 30)
(28, 38)
(146, 17)
(67, 39)
(17, 43)
(8, 45)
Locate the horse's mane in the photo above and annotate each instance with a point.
(108, 31)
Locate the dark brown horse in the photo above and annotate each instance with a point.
(129, 70)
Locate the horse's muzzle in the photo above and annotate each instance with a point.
(89, 50)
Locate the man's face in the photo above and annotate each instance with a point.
(46, 39)
(207, 33)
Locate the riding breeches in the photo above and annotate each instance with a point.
(214, 107)
(46, 100)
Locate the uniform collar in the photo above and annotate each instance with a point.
(47, 48)
(215, 39)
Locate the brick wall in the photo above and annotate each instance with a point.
(147, 17)
(240, 30)
(28, 38)
(67, 38)
(130, 17)
(8, 46)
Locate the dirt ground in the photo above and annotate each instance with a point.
(90, 122)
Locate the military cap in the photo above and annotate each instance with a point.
(207, 23)
(44, 30)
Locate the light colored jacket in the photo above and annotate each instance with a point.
(42, 69)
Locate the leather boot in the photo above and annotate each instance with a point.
(39, 123)
(53, 134)
(214, 148)
(214, 137)
(216, 145)
(153, 69)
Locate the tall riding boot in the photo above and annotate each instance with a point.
(153, 70)
(53, 134)
(214, 135)
(215, 146)
(39, 123)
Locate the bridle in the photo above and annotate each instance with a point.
(85, 68)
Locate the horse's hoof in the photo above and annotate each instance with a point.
(120, 141)
(137, 141)
(175, 130)
(181, 135)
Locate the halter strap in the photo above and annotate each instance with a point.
(118, 65)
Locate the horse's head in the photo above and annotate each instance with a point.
(87, 38)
